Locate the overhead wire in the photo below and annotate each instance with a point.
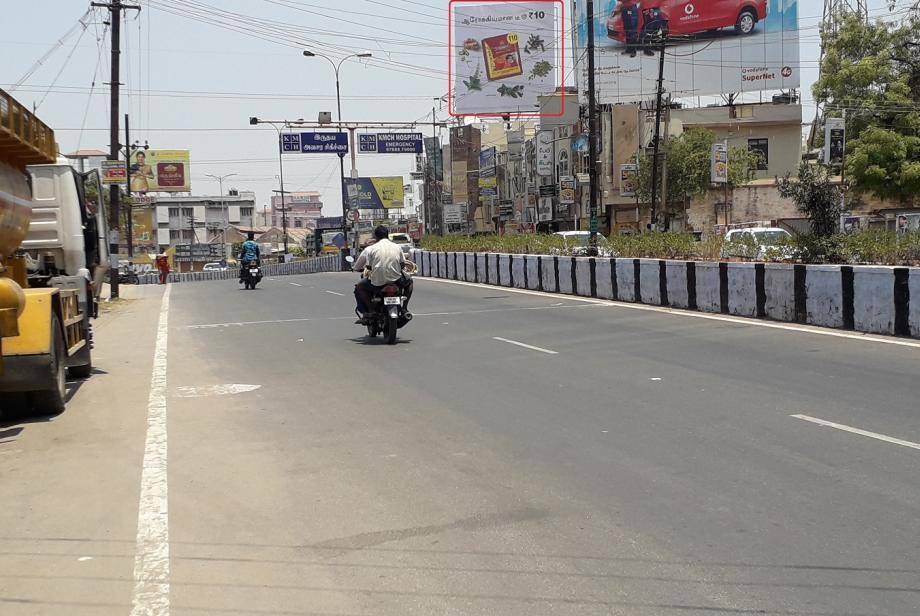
(63, 66)
(57, 45)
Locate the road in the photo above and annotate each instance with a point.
(515, 453)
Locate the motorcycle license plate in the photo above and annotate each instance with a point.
(253, 272)
(392, 301)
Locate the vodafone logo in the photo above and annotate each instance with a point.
(787, 71)
(688, 9)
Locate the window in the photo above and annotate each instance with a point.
(298, 223)
(761, 147)
(173, 212)
(563, 167)
(246, 211)
(188, 212)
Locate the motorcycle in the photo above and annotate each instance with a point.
(388, 311)
(252, 274)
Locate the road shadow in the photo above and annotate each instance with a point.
(379, 341)
(17, 408)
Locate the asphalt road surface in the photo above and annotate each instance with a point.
(244, 452)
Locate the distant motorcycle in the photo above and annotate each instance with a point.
(251, 274)
(387, 311)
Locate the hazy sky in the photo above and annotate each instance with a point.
(196, 70)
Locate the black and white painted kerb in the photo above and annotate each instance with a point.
(868, 299)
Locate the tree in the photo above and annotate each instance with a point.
(871, 73)
(815, 196)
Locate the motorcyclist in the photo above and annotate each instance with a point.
(249, 253)
(385, 260)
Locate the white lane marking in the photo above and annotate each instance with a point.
(333, 292)
(151, 561)
(242, 323)
(526, 346)
(226, 389)
(655, 378)
(845, 428)
(83, 559)
(808, 329)
(295, 284)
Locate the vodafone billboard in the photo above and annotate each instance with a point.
(712, 46)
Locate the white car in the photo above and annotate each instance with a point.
(576, 243)
(214, 267)
(403, 240)
(757, 242)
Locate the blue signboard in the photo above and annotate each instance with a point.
(399, 143)
(336, 143)
(367, 143)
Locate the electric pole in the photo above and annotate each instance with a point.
(115, 7)
(657, 145)
(129, 218)
(592, 131)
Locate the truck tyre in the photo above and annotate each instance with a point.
(83, 370)
(51, 401)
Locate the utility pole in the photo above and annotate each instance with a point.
(130, 207)
(657, 145)
(592, 131)
(115, 7)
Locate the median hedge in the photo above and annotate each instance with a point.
(875, 247)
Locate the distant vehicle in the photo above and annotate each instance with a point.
(757, 242)
(576, 243)
(252, 274)
(405, 242)
(214, 267)
(683, 17)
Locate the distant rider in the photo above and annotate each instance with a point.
(249, 253)
(385, 260)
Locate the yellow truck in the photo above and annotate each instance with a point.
(53, 257)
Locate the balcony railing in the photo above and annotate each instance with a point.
(24, 139)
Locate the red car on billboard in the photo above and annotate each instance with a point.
(635, 21)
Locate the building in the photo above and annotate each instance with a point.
(465, 144)
(201, 219)
(302, 209)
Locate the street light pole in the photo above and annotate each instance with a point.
(223, 205)
(592, 132)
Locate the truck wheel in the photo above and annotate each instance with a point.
(51, 401)
(747, 19)
(83, 370)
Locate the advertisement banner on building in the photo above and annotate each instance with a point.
(435, 156)
(160, 171)
(503, 55)
(376, 193)
(113, 172)
(545, 156)
(488, 183)
(718, 171)
(144, 228)
(714, 46)
(545, 209)
(629, 175)
(834, 140)
(566, 190)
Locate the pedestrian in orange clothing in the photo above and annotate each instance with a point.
(163, 267)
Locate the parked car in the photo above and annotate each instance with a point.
(757, 243)
(405, 242)
(214, 267)
(686, 17)
(576, 243)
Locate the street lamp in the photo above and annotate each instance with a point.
(223, 206)
(254, 121)
(336, 66)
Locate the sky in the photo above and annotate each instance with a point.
(194, 71)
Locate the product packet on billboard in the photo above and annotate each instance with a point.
(502, 56)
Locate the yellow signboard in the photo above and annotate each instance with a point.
(160, 171)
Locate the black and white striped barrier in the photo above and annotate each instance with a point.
(872, 299)
(329, 263)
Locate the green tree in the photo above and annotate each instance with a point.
(871, 74)
(815, 196)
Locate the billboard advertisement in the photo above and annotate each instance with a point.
(113, 172)
(718, 171)
(376, 193)
(711, 46)
(629, 176)
(160, 171)
(503, 55)
(144, 228)
(834, 140)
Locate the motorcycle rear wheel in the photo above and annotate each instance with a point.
(389, 331)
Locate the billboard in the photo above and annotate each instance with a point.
(113, 172)
(718, 172)
(503, 55)
(834, 140)
(144, 228)
(376, 193)
(160, 171)
(629, 179)
(712, 46)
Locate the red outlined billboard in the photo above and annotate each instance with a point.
(503, 55)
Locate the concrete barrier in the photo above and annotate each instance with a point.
(873, 299)
(565, 275)
(868, 299)
(583, 276)
(604, 281)
(626, 280)
(677, 285)
(708, 287)
(823, 295)
(650, 281)
(779, 291)
(742, 289)
(327, 263)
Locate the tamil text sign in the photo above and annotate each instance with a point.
(336, 143)
(114, 172)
